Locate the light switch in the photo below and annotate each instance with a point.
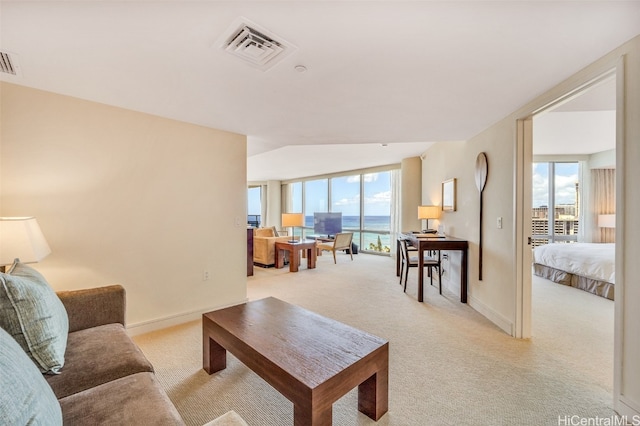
(499, 223)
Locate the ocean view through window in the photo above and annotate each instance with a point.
(363, 199)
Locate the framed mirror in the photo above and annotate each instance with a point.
(449, 195)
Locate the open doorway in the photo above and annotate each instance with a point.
(573, 236)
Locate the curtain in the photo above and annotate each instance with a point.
(263, 206)
(395, 210)
(603, 184)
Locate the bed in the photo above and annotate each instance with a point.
(587, 266)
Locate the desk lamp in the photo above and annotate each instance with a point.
(21, 238)
(428, 212)
(292, 220)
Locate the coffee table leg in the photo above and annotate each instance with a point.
(214, 356)
(306, 416)
(373, 394)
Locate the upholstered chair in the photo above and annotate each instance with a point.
(264, 245)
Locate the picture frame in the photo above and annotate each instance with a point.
(449, 195)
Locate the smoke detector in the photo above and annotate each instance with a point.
(254, 44)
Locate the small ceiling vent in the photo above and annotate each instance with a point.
(255, 45)
(8, 64)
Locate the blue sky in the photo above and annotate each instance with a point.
(565, 181)
(346, 195)
(346, 191)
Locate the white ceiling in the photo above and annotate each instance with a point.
(401, 73)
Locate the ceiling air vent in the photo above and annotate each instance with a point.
(9, 64)
(6, 64)
(255, 45)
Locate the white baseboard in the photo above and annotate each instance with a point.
(628, 409)
(498, 319)
(160, 323)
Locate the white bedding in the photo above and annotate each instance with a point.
(591, 260)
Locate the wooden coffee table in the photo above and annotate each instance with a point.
(312, 360)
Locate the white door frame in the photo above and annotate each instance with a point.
(522, 207)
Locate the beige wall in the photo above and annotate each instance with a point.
(495, 296)
(410, 192)
(129, 198)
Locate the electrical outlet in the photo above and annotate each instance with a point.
(205, 275)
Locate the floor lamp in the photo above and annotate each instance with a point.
(292, 220)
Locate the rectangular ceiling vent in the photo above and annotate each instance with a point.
(255, 45)
(7, 65)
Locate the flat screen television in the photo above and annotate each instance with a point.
(328, 224)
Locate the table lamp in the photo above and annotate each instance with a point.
(606, 220)
(21, 238)
(428, 212)
(292, 220)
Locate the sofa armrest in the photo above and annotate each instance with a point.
(94, 306)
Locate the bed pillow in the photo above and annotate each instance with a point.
(26, 398)
(32, 313)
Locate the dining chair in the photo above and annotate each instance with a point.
(412, 261)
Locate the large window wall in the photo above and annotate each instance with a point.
(364, 199)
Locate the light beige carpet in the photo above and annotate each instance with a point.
(448, 364)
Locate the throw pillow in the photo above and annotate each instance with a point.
(32, 313)
(26, 398)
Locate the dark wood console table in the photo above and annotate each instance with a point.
(436, 243)
(249, 251)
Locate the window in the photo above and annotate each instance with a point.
(316, 199)
(363, 199)
(345, 198)
(254, 206)
(377, 212)
(556, 202)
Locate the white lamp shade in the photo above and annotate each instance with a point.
(21, 238)
(292, 219)
(428, 212)
(607, 220)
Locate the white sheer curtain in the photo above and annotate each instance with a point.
(603, 189)
(395, 209)
(263, 205)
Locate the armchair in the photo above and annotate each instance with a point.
(264, 245)
(342, 241)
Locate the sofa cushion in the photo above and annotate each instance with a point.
(132, 400)
(25, 397)
(34, 316)
(95, 356)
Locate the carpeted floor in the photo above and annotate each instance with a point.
(448, 364)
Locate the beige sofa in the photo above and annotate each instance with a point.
(105, 378)
(264, 245)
